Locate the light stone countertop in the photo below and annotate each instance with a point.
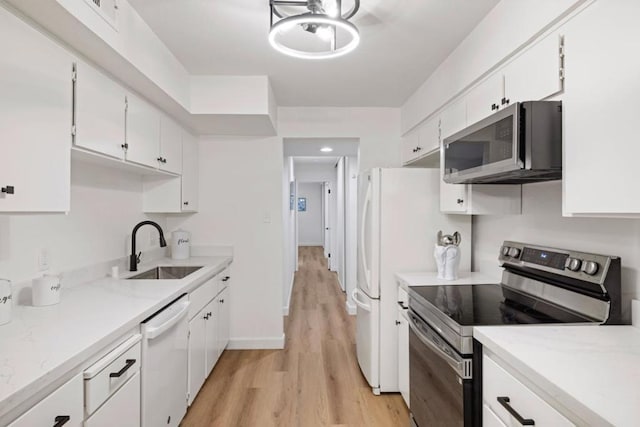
(406, 280)
(42, 346)
(591, 373)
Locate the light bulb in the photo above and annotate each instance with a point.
(325, 32)
(331, 8)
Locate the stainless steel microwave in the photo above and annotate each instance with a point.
(519, 144)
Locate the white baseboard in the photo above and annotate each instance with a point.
(351, 308)
(268, 343)
(285, 309)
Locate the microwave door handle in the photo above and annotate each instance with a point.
(457, 366)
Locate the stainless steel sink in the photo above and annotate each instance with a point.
(166, 273)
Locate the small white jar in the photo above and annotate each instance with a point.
(6, 301)
(46, 290)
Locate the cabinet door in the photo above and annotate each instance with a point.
(490, 419)
(197, 352)
(535, 74)
(35, 120)
(189, 173)
(429, 136)
(483, 97)
(99, 112)
(122, 409)
(601, 110)
(223, 320)
(403, 356)
(66, 403)
(410, 145)
(170, 145)
(211, 340)
(143, 132)
(453, 197)
(453, 119)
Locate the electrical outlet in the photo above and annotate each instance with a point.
(43, 259)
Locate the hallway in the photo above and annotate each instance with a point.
(314, 381)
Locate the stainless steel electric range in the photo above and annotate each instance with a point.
(539, 285)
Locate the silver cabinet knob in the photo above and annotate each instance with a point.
(514, 252)
(590, 267)
(573, 264)
(505, 250)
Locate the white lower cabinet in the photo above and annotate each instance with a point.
(62, 407)
(122, 409)
(208, 331)
(197, 358)
(490, 419)
(512, 402)
(403, 354)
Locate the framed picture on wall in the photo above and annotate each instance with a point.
(302, 204)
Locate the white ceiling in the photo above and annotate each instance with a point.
(310, 147)
(402, 42)
(330, 161)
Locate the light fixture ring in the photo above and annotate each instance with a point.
(317, 19)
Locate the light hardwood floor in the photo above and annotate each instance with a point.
(314, 381)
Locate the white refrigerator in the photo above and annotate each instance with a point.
(399, 216)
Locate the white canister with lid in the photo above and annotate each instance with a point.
(180, 244)
(6, 301)
(46, 290)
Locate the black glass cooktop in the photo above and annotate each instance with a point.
(486, 305)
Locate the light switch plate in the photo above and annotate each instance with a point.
(43, 259)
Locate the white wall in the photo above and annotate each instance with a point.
(105, 206)
(310, 231)
(290, 258)
(241, 188)
(351, 230)
(542, 223)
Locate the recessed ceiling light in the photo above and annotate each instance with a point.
(326, 149)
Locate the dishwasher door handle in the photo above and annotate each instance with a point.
(153, 331)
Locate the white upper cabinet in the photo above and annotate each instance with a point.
(170, 146)
(99, 112)
(424, 139)
(35, 120)
(485, 99)
(453, 119)
(143, 132)
(190, 179)
(410, 144)
(601, 110)
(535, 74)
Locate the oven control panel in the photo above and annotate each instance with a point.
(579, 265)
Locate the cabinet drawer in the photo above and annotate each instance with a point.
(489, 418)
(110, 373)
(201, 296)
(122, 409)
(64, 402)
(497, 382)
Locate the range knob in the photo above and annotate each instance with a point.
(505, 250)
(573, 264)
(590, 267)
(514, 252)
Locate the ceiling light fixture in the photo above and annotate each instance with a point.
(326, 149)
(323, 18)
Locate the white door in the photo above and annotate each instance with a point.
(403, 355)
(326, 193)
(100, 112)
(368, 337)
(197, 364)
(484, 99)
(35, 120)
(211, 341)
(223, 320)
(369, 233)
(170, 145)
(143, 132)
(189, 173)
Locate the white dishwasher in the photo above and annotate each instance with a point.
(164, 365)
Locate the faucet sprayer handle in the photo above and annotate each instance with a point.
(138, 257)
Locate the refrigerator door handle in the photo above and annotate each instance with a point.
(365, 307)
(363, 226)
